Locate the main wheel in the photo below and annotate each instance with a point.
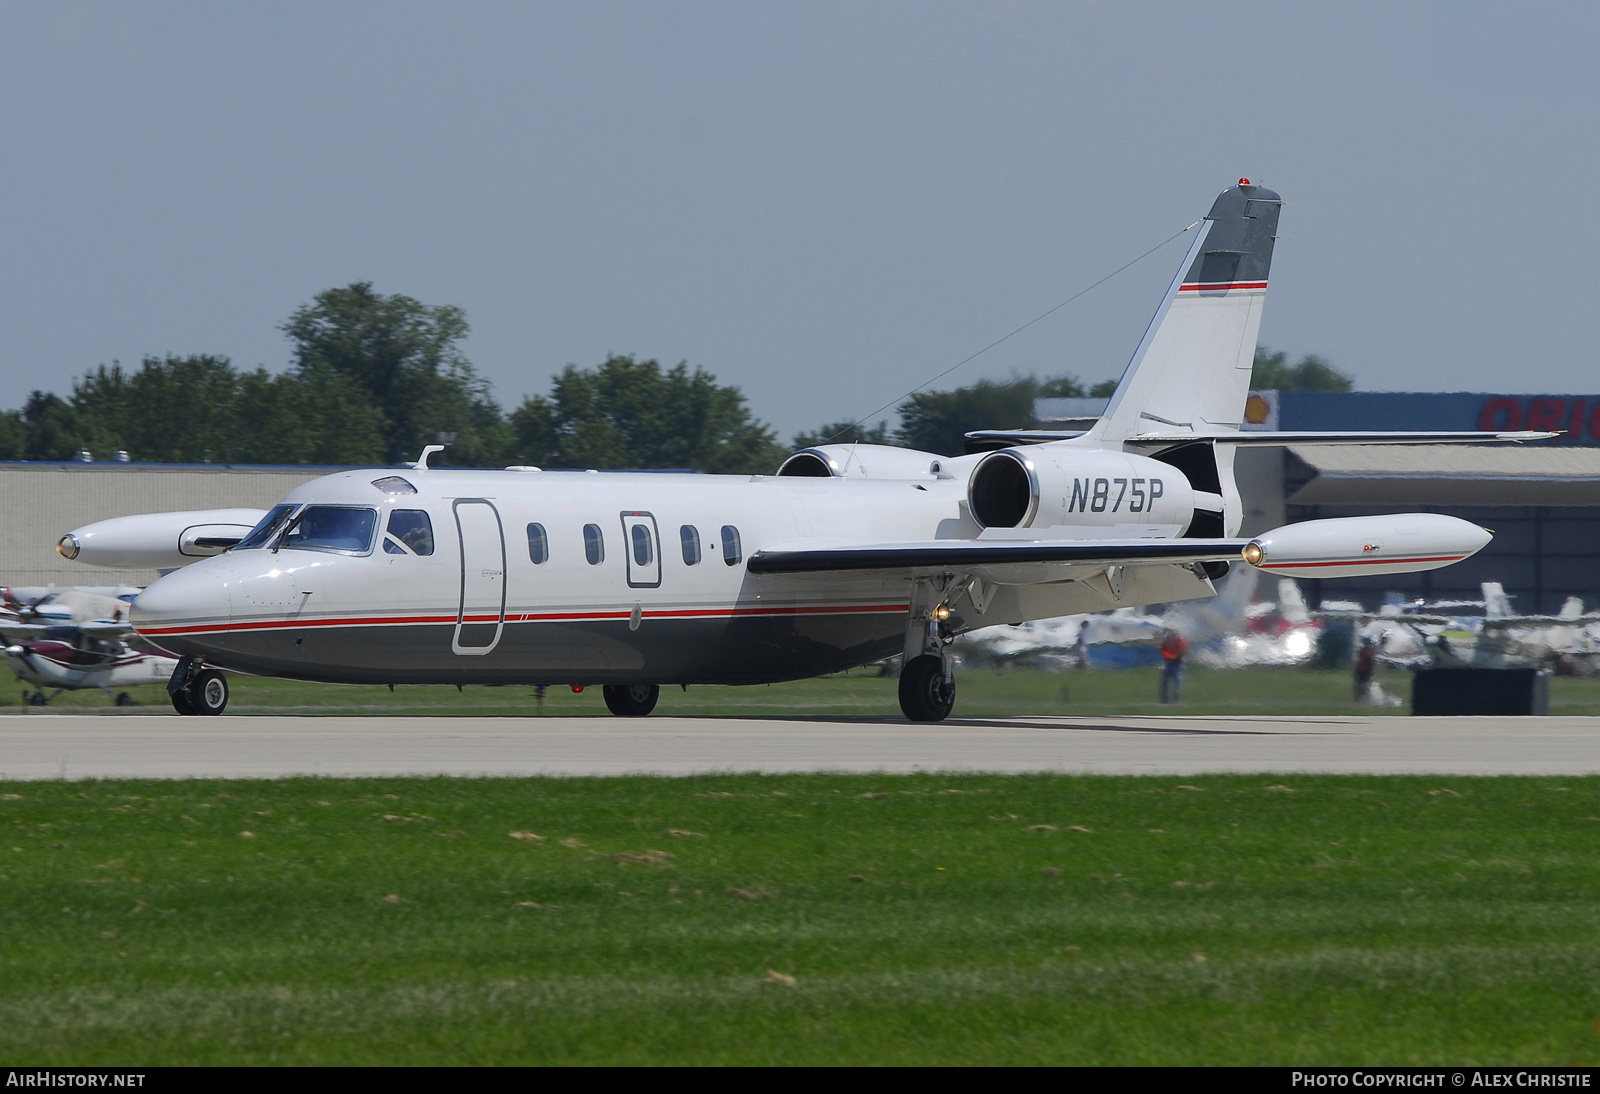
(925, 695)
(631, 700)
(183, 702)
(209, 692)
(38, 698)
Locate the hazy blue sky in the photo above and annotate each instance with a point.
(823, 203)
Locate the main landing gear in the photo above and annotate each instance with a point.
(927, 686)
(631, 700)
(197, 690)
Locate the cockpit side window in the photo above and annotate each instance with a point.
(332, 528)
(730, 545)
(594, 544)
(412, 528)
(270, 526)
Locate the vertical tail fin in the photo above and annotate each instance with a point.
(1496, 604)
(1192, 369)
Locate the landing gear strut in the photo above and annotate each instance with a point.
(197, 690)
(927, 686)
(631, 700)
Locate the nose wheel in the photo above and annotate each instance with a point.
(205, 692)
(631, 700)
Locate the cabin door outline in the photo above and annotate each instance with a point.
(647, 574)
(483, 577)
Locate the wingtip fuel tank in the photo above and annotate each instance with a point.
(1351, 546)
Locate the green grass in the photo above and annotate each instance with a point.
(923, 919)
(862, 693)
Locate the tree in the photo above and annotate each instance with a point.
(405, 355)
(938, 421)
(1272, 372)
(54, 432)
(844, 433)
(1104, 389)
(630, 413)
(13, 435)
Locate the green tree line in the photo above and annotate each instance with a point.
(374, 378)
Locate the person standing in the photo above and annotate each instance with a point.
(1173, 647)
(1364, 669)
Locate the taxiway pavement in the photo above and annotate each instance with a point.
(48, 745)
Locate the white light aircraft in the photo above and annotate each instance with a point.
(847, 555)
(76, 638)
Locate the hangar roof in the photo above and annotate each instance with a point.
(1441, 474)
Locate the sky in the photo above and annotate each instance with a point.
(823, 203)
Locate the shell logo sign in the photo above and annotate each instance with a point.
(1576, 416)
(1261, 411)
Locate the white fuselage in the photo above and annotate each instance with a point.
(492, 604)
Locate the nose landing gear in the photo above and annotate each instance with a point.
(196, 690)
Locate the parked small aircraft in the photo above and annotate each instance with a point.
(73, 639)
(1232, 630)
(1486, 634)
(849, 554)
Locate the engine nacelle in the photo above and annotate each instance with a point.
(1403, 543)
(873, 461)
(160, 541)
(1044, 485)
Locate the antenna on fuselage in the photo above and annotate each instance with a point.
(422, 460)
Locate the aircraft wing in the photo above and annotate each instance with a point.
(100, 627)
(1004, 562)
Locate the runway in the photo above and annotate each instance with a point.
(45, 745)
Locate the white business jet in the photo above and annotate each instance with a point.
(849, 554)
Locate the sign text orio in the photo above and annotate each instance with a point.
(1577, 417)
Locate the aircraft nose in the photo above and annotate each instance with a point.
(185, 606)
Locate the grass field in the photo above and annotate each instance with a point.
(802, 919)
(861, 693)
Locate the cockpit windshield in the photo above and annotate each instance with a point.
(331, 528)
(270, 526)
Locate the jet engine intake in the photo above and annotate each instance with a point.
(1043, 486)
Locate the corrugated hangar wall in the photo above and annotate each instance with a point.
(44, 501)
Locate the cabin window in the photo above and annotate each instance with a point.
(538, 544)
(394, 484)
(643, 555)
(270, 525)
(594, 544)
(410, 528)
(730, 545)
(690, 535)
(332, 528)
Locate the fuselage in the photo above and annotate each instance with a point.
(502, 577)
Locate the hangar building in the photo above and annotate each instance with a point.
(1542, 499)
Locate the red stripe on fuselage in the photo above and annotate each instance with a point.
(1270, 565)
(522, 617)
(1220, 286)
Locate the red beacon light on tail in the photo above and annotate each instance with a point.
(1244, 182)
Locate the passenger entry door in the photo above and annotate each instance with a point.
(482, 613)
(643, 547)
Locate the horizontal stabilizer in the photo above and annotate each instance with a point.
(1264, 438)
(1277, 437)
